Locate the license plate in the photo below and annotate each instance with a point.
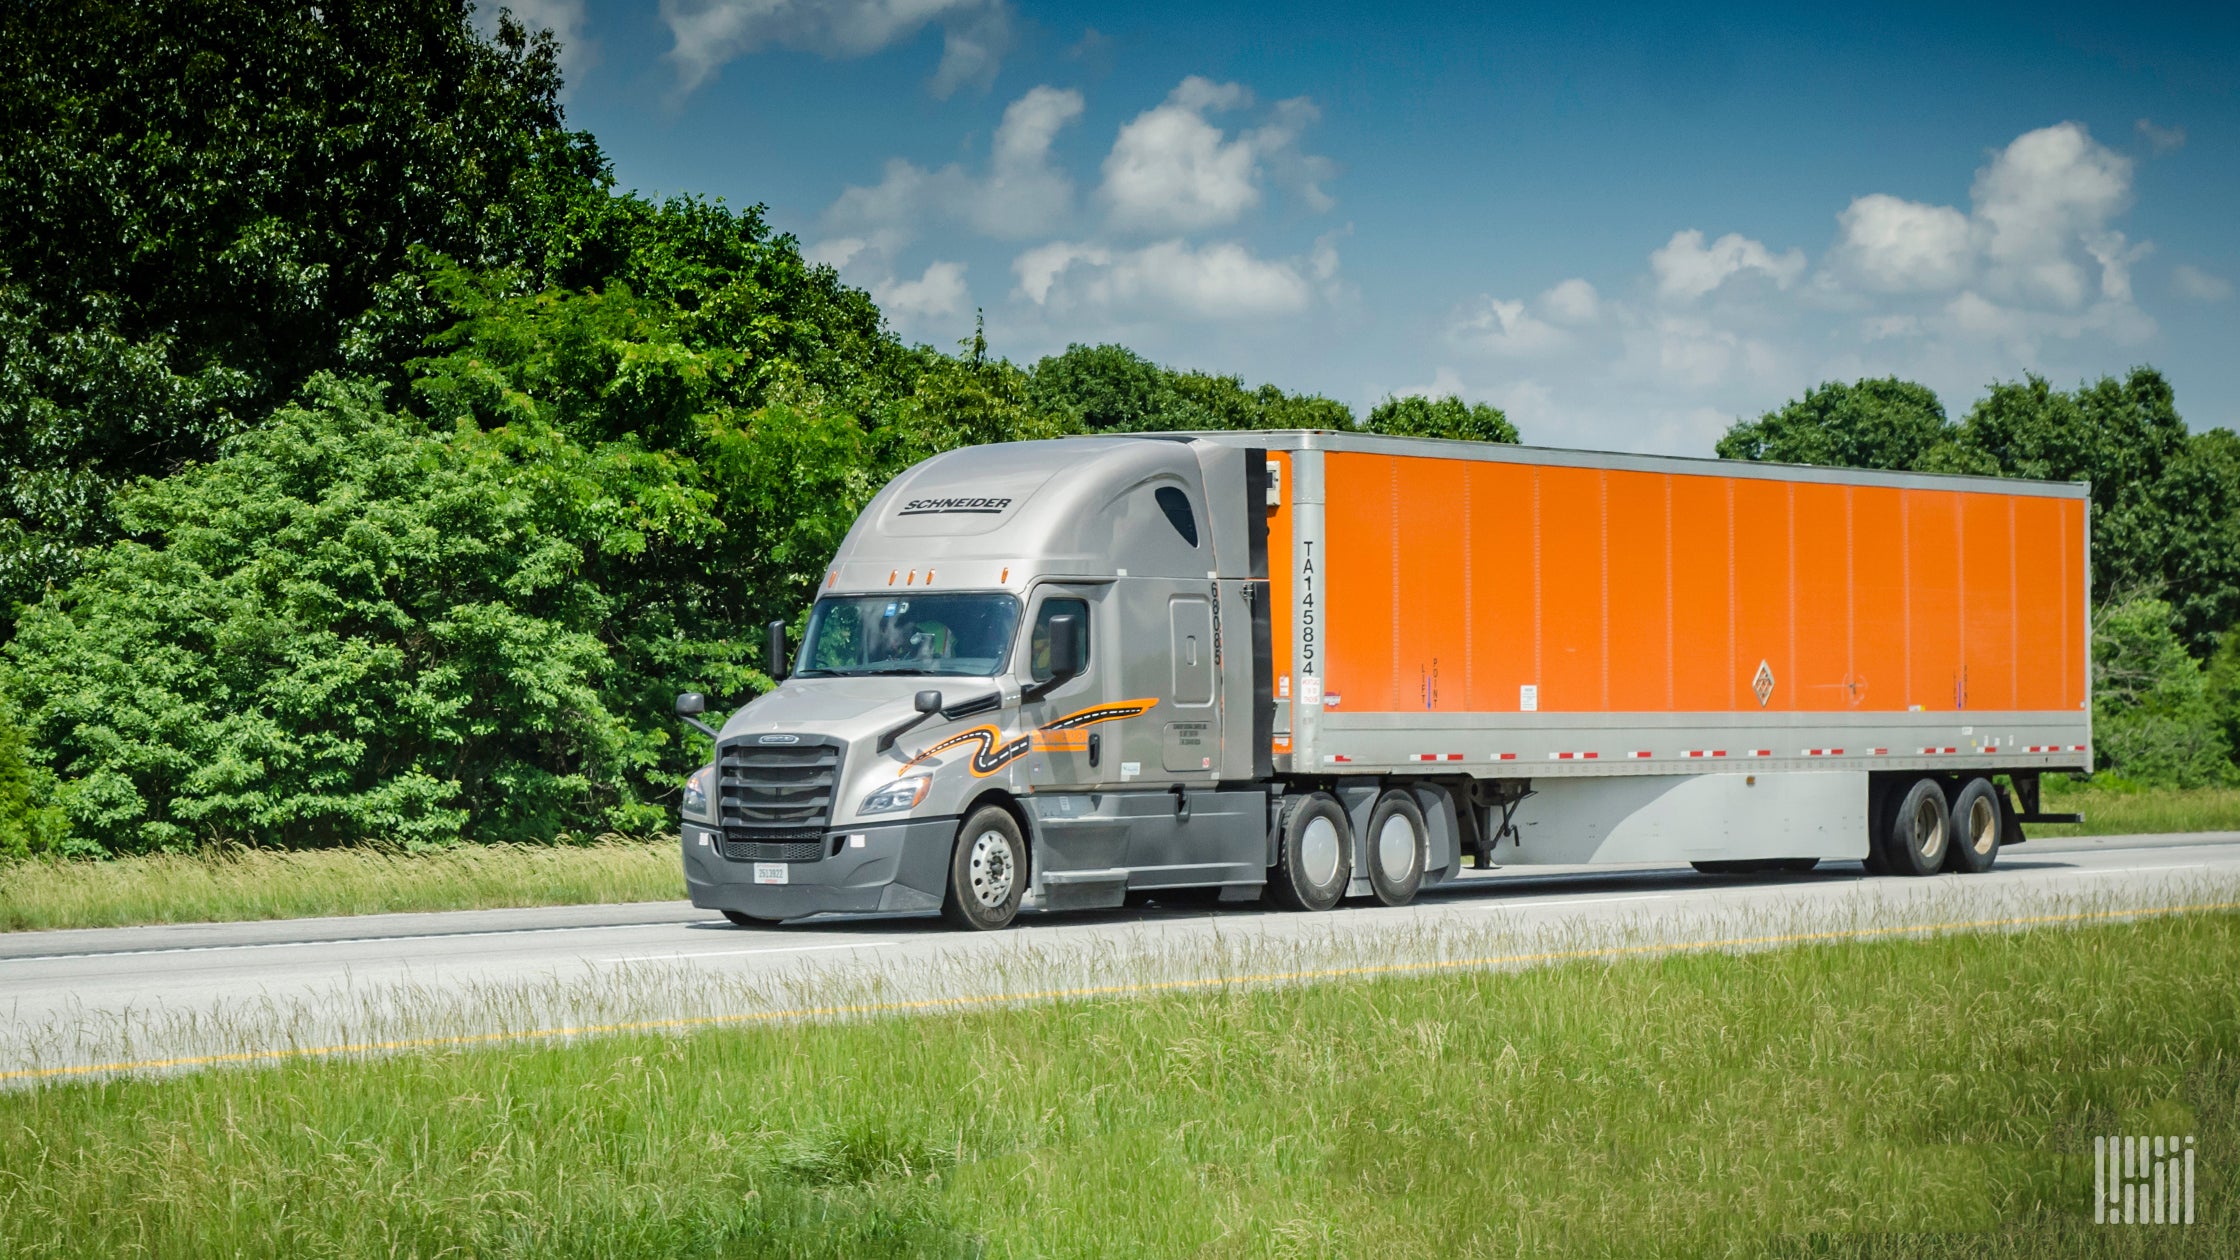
(769, 872)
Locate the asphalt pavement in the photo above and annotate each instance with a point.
(74, 1003)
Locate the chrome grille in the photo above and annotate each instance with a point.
(776, 797)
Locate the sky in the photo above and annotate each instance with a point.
(1627, 227)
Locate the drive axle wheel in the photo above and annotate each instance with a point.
(1396, 848)
(1978, 828)
(987, 871)
(1314, 854)
(1919, 831)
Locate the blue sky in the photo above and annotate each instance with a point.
(1626, 227)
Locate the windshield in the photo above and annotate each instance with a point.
(855, 635)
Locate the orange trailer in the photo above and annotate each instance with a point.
(1780, 654)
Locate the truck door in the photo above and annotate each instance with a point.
(1063, 756)
(1190, 740)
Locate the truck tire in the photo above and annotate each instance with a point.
(1398, 837)
(987, 871)
(1918, 831)
(1978, 828)
(1314, 854)
(742, 919)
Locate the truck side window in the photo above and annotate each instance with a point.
(1176, 505)
(1038, 646)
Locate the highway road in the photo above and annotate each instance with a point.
(78, 1003)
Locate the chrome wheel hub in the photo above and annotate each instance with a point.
(991, 868)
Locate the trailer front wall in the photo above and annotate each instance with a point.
(1479, 586)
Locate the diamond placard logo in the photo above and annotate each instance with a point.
(1762, 683)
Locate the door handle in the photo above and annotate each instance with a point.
(1096, 747)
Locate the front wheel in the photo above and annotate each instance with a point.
(987, 871)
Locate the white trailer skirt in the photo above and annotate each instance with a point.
(1691, 817)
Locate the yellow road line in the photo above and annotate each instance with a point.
(1137, 988)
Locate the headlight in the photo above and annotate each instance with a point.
(900, 794)
(696, 791)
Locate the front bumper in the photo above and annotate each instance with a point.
(899, 867)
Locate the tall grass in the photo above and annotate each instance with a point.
(264, 884)
(2112, 809)
(1927, 1097)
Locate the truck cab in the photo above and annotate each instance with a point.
(1029, 669)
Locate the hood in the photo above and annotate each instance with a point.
(849, 708)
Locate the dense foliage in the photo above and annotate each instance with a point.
(2165, 534)
(204, 201)
(371, 470)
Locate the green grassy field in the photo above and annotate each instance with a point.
(2120, 811)
(263, 884)
(1929, 1097)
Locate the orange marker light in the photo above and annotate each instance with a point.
(891, 573)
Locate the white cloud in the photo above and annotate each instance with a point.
(564, 18)
(1022, 193)
(1172, 170)
(1218, 281)
(1572, 301)
(2161, 139)
(2038, 200)
(940, 291)
(1899, 246)
(976, 34)
(1505, 328)
(1686, 269)
(2200, 285)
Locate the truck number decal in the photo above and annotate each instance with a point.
(1306, 614)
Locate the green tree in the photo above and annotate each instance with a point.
(1448, 417)
(347, 628)
(28, 822)
(1114, 389)
(2222, 682)
(2153, 720)
(1885, 423)
(1100, 388)
(204, 201)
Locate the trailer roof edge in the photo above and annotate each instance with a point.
(1556, 456)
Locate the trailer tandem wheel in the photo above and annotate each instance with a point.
(1918, 831)
(1978, 826)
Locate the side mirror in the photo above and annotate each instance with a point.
(777, 651)
(928, 702)
(1065, 646)
(690, 705)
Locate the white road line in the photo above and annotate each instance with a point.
(2141, 870)
(734, 953)
(1579, 901)
(343, 940)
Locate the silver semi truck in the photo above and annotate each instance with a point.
(1317, 665)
